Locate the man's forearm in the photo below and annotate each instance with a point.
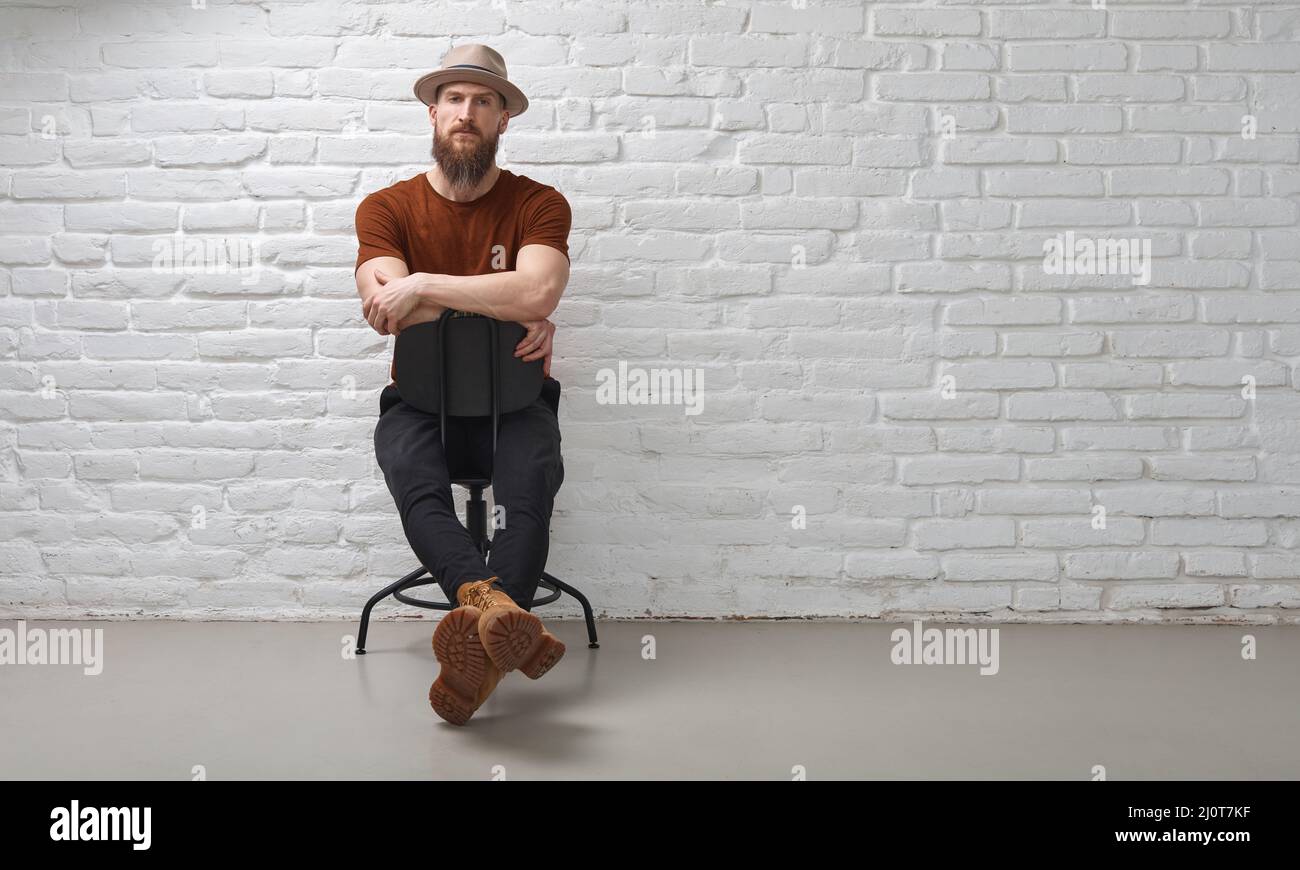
(424, 312)
(507, 295)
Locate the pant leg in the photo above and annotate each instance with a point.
(527, 473)
(408, 447)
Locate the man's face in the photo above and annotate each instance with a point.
(468, 120)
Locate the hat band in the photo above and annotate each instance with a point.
(469, 66)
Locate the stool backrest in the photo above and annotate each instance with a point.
(464, 365)
(453, 355)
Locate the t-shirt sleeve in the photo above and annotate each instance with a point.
(378, 232)
(548, 221)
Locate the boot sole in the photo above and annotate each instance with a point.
(515, 639)
(464, 663)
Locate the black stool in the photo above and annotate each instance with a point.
(420, 360)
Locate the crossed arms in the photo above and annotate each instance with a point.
(393, 299)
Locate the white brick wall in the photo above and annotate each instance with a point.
(836, 209)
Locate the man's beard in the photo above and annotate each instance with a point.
(465, 167)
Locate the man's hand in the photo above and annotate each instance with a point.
(537, 343)
(395, 299)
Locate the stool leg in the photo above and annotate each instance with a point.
(586, 608)
(375, 599)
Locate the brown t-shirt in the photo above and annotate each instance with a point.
(430, 233)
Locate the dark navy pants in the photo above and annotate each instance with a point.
(527, 474)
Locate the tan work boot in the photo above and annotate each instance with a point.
(512, 637)
(468, 674)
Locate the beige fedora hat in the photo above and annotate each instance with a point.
(476, 63)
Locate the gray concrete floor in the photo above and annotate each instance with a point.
(721, 700)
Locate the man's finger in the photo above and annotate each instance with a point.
(526, 345)
(532, 353)
(541, 352)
